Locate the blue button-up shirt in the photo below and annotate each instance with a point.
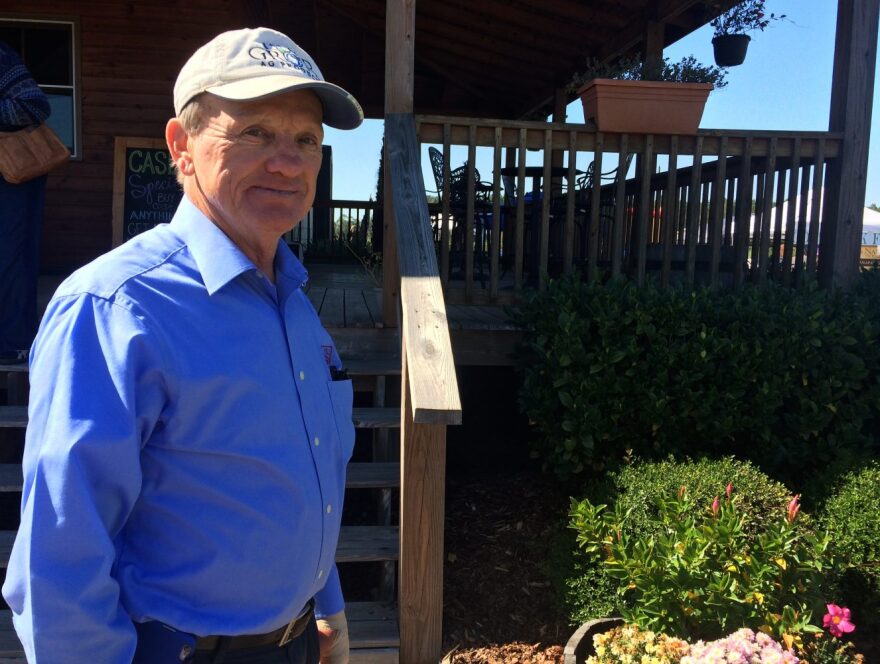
(186, 452)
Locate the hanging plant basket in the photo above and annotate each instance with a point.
(730, 50)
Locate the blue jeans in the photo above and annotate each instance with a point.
(21, 222)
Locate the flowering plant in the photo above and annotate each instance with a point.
(628, 643)
(838, 620)
(742, 647)
(746, 16)
(701, 576)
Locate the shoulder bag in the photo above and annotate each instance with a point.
(29, 153)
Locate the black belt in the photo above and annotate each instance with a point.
(280, 637)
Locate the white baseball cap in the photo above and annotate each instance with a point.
(253, 63)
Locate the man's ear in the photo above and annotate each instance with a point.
(179, 146)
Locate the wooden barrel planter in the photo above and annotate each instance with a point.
(580, 645)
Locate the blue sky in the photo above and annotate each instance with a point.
(785, 83)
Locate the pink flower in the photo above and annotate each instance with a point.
(715, 507)
(682, 491)
(793, 508)
(837, 620)
(729, 489)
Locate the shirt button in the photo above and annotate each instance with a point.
(302, 375)
(329, 509)
(317, 441)
(320, 573)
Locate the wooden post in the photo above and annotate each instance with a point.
(422, 500)
(400, 24)
(852, 90)
(654, 38)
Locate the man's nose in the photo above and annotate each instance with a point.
(288, 158)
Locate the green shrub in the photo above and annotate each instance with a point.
(786, 378)
(852, 519)
(702, 576)
(636, 489)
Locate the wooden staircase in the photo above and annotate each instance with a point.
(373, 625)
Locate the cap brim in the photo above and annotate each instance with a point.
(341, 110)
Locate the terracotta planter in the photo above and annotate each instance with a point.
(580, 645)
(644, 107)
(730, 50)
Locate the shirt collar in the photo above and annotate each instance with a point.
(218, 258)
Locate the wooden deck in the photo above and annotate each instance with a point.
(347, 296)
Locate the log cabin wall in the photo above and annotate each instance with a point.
(128, 56)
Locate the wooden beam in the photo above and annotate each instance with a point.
(852, 92)
(655, 32)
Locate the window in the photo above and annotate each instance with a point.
(48, 51)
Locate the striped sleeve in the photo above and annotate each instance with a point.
(22, 103)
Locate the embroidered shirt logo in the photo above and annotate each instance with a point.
(281, 57)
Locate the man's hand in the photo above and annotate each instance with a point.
(333, 637)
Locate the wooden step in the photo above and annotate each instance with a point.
(13, 417)
(373, 632)
(10, 477)
(14, 368)
(364, 418)
(374, 366)
(356, 544)
(359, 476)
(376, 418)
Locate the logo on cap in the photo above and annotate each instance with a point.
(277, 55)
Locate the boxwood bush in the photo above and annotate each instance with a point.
(852, 518)
(588, 591)
(786, 378)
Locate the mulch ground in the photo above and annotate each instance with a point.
(499, 606)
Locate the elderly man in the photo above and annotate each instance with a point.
(190, 423)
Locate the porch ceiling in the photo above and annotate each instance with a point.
(481, 58)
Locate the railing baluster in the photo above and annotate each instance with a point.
(729, 210)
(644, 208)
(767, 215)
(595, 210)
(776, 254)
(544, 262)
(469, 221)
(495, 244)
(801, 247)
(569, 239)
(693, 213)
(788, 250)
(743, 212)
(444, 199)
(756, 230)
(668, 219)
(619, 208)
(520, 210)
(715, 227)
(818, 180)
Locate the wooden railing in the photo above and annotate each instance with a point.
(337, 229)
(720, 207)
(429, 402)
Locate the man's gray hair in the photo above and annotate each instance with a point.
(192, 117)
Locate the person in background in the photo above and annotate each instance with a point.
(190, 420)
(22, 104)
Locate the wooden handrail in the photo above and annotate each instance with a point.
(427, 346)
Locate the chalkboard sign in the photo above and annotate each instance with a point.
(145, 189)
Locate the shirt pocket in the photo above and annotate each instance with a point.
(341, 398)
